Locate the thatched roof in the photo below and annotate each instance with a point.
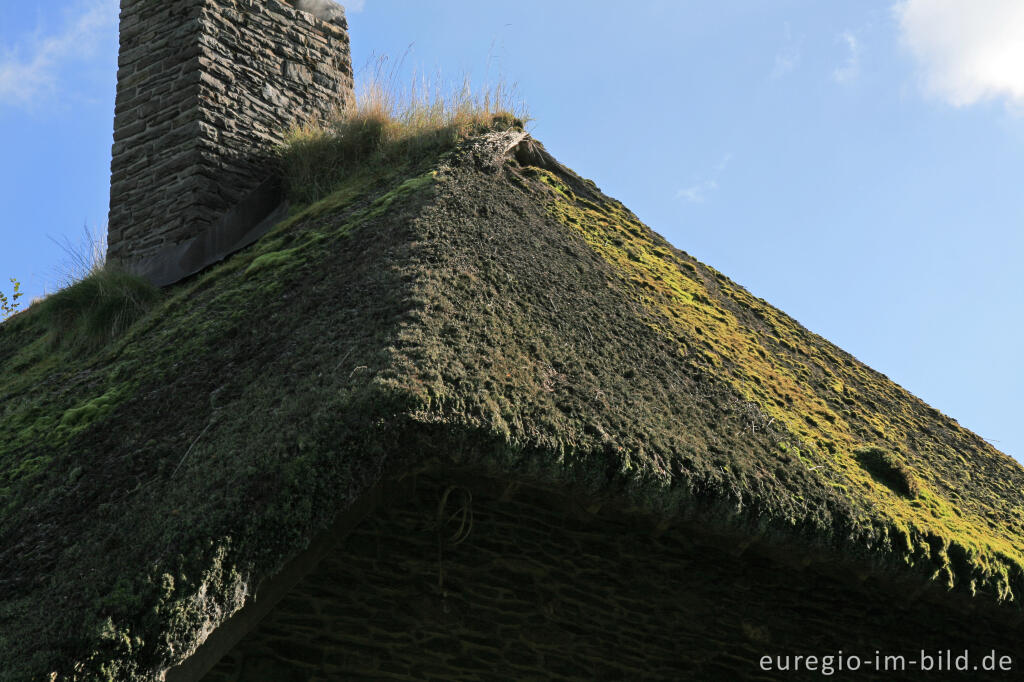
(488, 308)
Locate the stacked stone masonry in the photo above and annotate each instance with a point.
(461, 584)
(205, 89)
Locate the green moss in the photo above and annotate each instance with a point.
(821, 401)
(411, 185)
(83, 415)
(272, 260)
(347, 195)
(348, 190)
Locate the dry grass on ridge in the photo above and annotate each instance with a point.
(393, 124)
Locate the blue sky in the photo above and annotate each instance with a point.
(858, 164)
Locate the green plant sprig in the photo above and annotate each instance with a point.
(9, 306)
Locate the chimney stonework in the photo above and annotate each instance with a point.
(205, 89)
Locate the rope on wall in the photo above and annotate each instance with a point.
(463, 514)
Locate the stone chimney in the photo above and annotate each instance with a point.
(205, 89)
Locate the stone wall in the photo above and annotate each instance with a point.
(205, 88)
(484, 586)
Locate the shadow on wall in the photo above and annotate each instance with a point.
(240, 226)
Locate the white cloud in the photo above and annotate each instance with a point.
(788, 58)
(969, 50)
(698, 192)
(723, 163)
(851, 67)
(28, 73)
(329, 9)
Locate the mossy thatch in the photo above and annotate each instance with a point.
(487, 308)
